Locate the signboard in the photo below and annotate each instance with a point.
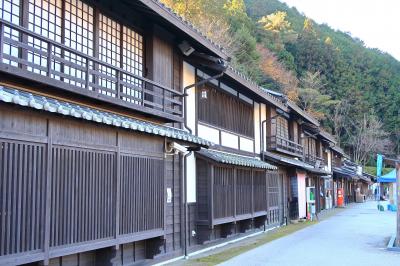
(359, 170)
(169, 195)
(379, 163)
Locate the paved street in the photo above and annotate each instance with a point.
(356, 236)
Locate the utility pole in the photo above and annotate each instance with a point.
(398, 203)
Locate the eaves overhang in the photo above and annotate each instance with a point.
(294, 162)
(51, 105)
(235, 159)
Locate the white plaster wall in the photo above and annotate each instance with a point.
(208, 133)
(263, 109)
(257, 125)
(329, 161)
(301, 184)
(229, 140)
(188, 79)
(246, 144)
(191, 178)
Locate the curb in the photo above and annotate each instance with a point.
(391, 245)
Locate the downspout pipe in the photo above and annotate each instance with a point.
(185, 209)
(184, 181)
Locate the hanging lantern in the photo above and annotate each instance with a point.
(203, 93)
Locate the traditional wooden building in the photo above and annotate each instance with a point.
(91, 107)
(293, 140)
(348, 177)
(230, 189)
(125, 139)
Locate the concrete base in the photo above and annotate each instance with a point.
(391, 245)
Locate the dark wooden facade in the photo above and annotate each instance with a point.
(72, 191)
(233, 199)
(91, 52)
(69, 186)
(224, 110)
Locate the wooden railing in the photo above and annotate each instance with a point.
(284, 145)
(30, 55)
(314, 160)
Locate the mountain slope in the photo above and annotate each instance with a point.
(367, 79)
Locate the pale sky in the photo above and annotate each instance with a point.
(376, 22)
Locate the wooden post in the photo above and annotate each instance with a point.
(398, 203)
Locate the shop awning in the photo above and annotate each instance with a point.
(51, 105)
(343, 173)
(293, 162)
(235, 159)
(388, 178)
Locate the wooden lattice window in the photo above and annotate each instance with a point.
(223, 193)
(225, 111)
(282, 127)
(132, 51)
(109, 52)
(243, 191)
(274, 208)
(83, 194)
(273, 190)
(259, 191)
(78, 34)
(10, 11)
(22, 202)
(142, 194)
(73, 23)
(45, 18)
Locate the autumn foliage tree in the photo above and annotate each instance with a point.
(328, 73)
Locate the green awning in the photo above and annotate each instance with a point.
(51, 105)
(235, 159)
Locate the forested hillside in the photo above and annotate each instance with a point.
(354, 91)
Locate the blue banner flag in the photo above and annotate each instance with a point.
(379, 163)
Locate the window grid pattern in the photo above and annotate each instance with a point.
(72, 23)
(225, 111)
(282, 128)
(10, 11)
(109, 52)
(78, 35)
(45, 18)
(132, 51)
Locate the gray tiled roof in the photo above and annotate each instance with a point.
(294, 162)
(48, 104)
(234, 159)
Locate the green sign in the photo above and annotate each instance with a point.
(379, 163)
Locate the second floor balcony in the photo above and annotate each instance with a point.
(283, 145)
(316, 161)
(31, 56)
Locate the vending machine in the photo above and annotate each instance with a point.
(310, 194)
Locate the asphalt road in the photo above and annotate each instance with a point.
(356, 236)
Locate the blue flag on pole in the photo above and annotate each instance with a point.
(379, 163)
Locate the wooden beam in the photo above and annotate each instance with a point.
(211, 197)
(46, 244)
(398, 203)
(117, 184)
